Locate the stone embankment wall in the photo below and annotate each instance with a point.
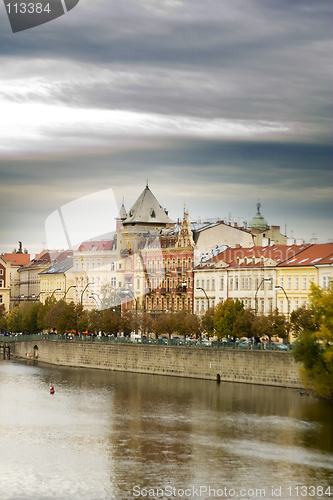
(252, 367)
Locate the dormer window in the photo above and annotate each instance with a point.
(152, 213)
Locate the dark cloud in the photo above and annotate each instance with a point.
(254, 61)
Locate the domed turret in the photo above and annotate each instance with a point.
(258, 221)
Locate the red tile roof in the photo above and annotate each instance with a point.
(16, 259)
(95, 245)
(315, 254)
(278, 253)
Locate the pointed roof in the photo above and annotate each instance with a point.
(122, 212)
(147, 210)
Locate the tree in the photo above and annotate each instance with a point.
(261, 326)
(110, 322)
(278, 327)
(302, 320)
(30, 318)
(52, 316)
(314, 347)
(225, 316)
(94, 321)
(207, 322)
(243, 324)
(3, 318)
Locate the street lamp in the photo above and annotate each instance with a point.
(54, 291)
(31, 295)
(92, 297)
(288, 305)
(204, 291)
(40, 293)
(18, 298)
(72, 286)
(255, 297)
(85, 288)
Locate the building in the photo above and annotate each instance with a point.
(94, 272)
(5, 284)
(57, 280)
(16, 259)
(295, 275)
(141, 233)
(29, 274)
(247, 274)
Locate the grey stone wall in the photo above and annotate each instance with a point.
(247, 366)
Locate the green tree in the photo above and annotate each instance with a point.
(207, 322)
(261, 326)
(3, 318)
(278, 327)
(52, 316)
(302, 320)
(314, 347)
(243, 324)
(94, 321)
(110, 322)
(30, 319)
(225, 317)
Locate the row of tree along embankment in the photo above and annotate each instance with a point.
(231, 365)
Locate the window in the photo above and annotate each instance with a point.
(281, 306)
(198, 283)
(221, 283)
(202, 283)
(213, 284)
(311, 279)
(197, 305)
(113, 281)
(304, 283)
(289, 283)
(112, 266)
(207, 285)
(262, 305)
(281, 281)
(1, 284)
(138, 283)
(296, 305)
(1, 271)
(231, 284)
(0, 299)
(202, 305)
(326, 281)
(236, 283)
(270, 305)
(270, 284)
(296, 282)
(213, 303)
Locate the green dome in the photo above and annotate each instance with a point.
(258, 220)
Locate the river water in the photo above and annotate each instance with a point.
(106, 435)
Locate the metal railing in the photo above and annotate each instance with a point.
(161, 341)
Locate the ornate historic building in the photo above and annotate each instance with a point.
(155, 258)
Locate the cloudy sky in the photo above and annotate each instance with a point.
(217, 103)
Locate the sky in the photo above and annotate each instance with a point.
(217, 103)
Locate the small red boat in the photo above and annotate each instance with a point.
(51, 389)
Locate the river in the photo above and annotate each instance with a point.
(106, 435)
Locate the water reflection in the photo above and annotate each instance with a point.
(102, 433)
